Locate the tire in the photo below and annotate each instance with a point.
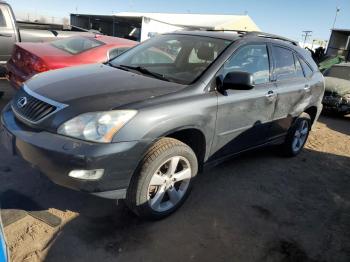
(299, 131)
(153, 193)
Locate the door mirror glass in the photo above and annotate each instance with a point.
(238, 81)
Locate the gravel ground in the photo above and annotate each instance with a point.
(256, 207)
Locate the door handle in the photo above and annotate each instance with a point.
(271, 95)
(307, 88)
(5, 35)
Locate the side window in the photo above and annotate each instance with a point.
(252, 59)
(2, 18)
(307, 70)
(284, 63)
(299, 69)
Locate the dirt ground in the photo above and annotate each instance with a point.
(256, 207)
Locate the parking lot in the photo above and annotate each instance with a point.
(256, 207)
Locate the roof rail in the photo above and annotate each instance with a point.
(240, 32)
(271, 36)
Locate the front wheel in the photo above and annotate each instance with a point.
(164, 179)
(297, 136)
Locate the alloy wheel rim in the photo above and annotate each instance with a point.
(300, 135)
(169, 184)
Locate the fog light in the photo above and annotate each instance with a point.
(87, 174)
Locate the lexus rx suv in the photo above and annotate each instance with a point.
(141, 126)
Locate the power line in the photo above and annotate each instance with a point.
(307, 33)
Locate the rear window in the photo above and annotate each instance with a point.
(342, 72)
(76, 45)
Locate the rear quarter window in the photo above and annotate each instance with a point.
(307, 69)
(76, 45)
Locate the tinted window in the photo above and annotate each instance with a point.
(2, 19)
(284, 63)
(252, 59)
(76, 45)
(307, 70)
(342, 72)
(178, 58)
(299, 69)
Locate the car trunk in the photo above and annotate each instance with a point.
(33, 58)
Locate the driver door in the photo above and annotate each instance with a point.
(244, 116)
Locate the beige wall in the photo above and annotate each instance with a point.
(245, 23)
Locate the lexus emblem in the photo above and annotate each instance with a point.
(22, 101)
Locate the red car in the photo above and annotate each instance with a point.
(29, 59)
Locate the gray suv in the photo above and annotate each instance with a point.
(141, 126)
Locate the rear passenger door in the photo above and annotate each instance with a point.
(292, 89)
(244, 116)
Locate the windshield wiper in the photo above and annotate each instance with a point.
(145, 71)
(118, 66)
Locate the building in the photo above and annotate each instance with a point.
(141, 26)
(339, 43)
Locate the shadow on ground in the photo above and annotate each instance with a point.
(257, 207)
(336, 123)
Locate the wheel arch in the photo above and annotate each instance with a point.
(195, 139)
(312, 112)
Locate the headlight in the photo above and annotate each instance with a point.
(98, 126)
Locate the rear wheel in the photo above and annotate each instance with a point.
(164, 179)
(297, 135)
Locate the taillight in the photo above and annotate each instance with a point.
(39, 66)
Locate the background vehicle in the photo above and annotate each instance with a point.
(140, 131)
(337, 94)
(12, 31)
(29, 59)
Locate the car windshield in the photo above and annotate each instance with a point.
(76, 45)
(174, 57)
(342, 72)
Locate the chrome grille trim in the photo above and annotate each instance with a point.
(57, 105)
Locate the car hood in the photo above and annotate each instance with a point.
(338, 86)
(98, 87)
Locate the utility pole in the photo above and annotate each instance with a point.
(306, 35)
(336, 15)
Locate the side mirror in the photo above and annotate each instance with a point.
(238, 81)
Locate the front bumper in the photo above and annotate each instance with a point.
(56, 155)
(336, 103)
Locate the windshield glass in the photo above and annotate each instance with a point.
(178, 58)
(342, 72)
(76, 45)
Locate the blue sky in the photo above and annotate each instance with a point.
(287, 18)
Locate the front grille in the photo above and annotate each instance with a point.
(29, 108)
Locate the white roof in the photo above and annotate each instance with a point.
(197, 20)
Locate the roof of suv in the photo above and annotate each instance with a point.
(233, 35)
